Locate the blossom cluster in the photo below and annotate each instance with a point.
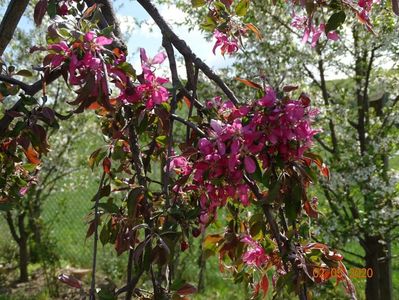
(227, 44)
(310, 31)
(92, 71)
(255, 255)
(242, 140)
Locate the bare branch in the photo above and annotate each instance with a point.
(176, 82)
(10, 223)
(189, 124)
(324, 145)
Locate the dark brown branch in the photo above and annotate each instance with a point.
(29, 90)
(10, 223)
(324, 145)
(108, 16)
(185, 50)
(311, 75)
(10, 21)
(269, 216)
(176, 82)
(32, 89)
(189, 124)
(326, 98)
(95, 242)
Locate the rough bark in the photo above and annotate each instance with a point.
(10, 21)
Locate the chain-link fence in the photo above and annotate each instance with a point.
(64, 215)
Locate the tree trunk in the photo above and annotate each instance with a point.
(202, 265)
(385, 265)
(23, 249)
(379, 286)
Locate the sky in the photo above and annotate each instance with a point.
(148, 35)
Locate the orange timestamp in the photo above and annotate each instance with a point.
(325, 273)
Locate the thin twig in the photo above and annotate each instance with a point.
(96, 221)
(175, 81)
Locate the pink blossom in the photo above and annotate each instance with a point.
(255, 254)
(146, 62)
(180, 165)
(96, 41)
(269, 98)
(152, 90)
(250, 165)
(226, 44)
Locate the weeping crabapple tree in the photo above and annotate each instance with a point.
(247, 159)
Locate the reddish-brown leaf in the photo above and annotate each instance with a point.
(310, 211)
(290, 88)
(91, 229)
(264, 285)
(32, 155)
(325, 171)
(304, 98)
(40, 11)
(187, 101)
(88, 12)
(70, 280)
(249, 83)
(107, 165)
(255, 30)
(187, 289)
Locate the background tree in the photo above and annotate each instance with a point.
(260, 145)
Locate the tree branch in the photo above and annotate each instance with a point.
(10, 21)
(10, 223)
(324, 145)
(189, 124)
(30, 90)
(185, 50)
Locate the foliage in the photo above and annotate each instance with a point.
(261, 145)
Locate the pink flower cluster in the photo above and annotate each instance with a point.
(365, 10)
(312, 31)
(255, 255)
(151, 87)
(88, 67)
(227, 44)
(85, 63)
(243, 137)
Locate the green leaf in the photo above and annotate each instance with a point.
(6, 206)
(293, 203)
(132, 200)
(336, 20)
(105, 234)
(52, 9)
(107, 30)
(209, 24)
(242, 8)
(274, 191)
(25, 73)
(109, 207)
(162, 139)
(29, 167)
(128, 68)
(198, 3)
